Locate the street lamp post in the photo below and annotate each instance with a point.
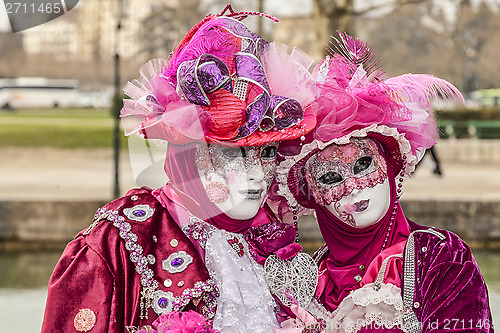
(117, 102)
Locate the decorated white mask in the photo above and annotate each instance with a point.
(350, 181)
(236, 179)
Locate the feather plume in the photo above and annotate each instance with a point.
(355, 51)
(422, 88)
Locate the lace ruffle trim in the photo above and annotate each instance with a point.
(365, 307)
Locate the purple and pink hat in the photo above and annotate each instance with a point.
(355, 99)
(223, 84)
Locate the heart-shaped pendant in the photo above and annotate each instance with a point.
(298, 276)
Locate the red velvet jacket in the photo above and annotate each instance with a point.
(133, 259)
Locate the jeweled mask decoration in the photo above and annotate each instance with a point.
(351, 181)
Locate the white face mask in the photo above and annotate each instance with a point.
(350, 181)
(236, 179)
(364, 207)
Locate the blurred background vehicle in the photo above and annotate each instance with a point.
(37, 92)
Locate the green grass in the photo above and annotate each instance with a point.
(63, 113)
(61, 128)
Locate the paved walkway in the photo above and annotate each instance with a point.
(82, 174)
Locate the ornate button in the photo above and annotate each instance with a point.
(361, 267)
(162, 301)
(84, 320)
(177, 262)
(151, 259)
(424, 249)
(236, 246)
(357, 278)
(139, 213)
(416, 305)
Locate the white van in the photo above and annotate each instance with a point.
(37, 92)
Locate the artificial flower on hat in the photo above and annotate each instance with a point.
(355, 99)
(223, 84)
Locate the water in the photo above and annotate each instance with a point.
(24, 277)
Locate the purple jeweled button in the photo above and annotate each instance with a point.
(177, 262)
(139, 213)
(163, 302)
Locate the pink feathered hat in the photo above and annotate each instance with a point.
(223, 84)
(354, 99)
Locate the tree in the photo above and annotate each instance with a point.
(339, 15)
(166, 24)
(11, 53)
(460, 48)
(471, 34)
(456, 40)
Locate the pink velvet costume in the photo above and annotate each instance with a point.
(151, 256)
(393, 275)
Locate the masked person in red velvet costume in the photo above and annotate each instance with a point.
(379, 271)
(223, 102)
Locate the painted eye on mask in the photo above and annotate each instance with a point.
(362, 164)
(233, 152)
(268, 152)
(330, 178)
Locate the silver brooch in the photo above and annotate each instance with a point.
(139, 213)
(177, 262)
(162, 301)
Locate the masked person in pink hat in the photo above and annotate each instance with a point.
(189, 255)
(378, 271)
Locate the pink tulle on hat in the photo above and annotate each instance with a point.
(354, 98)
(223, 84)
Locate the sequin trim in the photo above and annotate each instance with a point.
(140, 260)
(100, 214)
(136, 255)
(160, 301)
(197, 230)
(410, 321)
(206, 290)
